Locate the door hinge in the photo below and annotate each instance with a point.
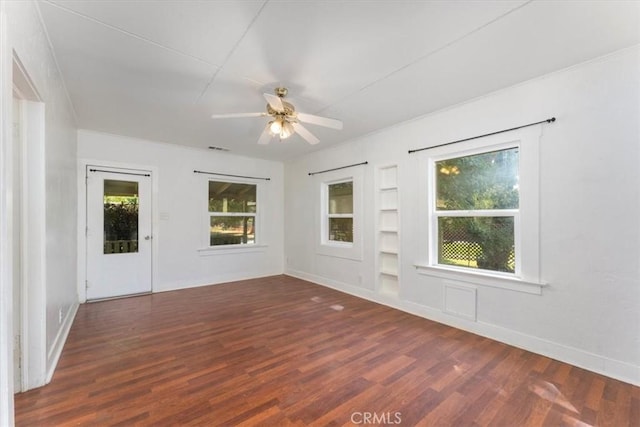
(86, 284)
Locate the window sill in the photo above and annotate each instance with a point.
(337, 244)
(231, 249)
(484, 279)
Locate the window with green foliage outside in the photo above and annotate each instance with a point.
(121, 204)
(232, 213)
(476, 210)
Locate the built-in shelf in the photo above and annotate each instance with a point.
(388, 251)
(388, 177)
(389, 200)
(389, 285)
(388, 242)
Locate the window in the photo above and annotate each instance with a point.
(339, 212)
(476, 209)
(232, 213)
(120, 204)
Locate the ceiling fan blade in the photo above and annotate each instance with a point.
(274, 101)
(304, 133)
(265, 137)
(320, 121)
(237, 115)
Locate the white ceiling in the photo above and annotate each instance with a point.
(158, 69)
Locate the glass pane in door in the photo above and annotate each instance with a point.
(120, 216)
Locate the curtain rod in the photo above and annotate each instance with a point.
(121, 173)
(341, 167)
(234, 176)
(551, 120)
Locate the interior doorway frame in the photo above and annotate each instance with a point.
(82, 217)
(30, 185)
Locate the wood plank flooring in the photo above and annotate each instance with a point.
(281, 351)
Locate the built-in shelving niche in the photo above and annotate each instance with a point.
(388, 230)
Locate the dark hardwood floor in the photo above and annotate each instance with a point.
(281, 351)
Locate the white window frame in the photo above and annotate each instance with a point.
(328, 216)
(324, 246)
(526, 277)
(256, 219)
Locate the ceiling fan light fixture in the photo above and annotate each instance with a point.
(275, 126)
(287, 130)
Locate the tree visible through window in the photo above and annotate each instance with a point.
(476, 210)
(232, 213)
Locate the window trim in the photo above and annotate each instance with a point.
(207, 248)
(348, 250)
(527, 233)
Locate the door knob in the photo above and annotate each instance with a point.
(147, 237)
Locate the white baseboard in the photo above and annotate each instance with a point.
(58, 343)
(180, 285)
(592, 362)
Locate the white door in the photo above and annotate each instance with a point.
(118, 232)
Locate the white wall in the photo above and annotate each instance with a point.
(589, 315)
(180, 209)
(27, 39)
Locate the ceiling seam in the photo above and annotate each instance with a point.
(74, 113)
(130, 34)
(232, 51)
(431, 53)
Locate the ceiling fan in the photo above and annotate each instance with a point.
(285, 119)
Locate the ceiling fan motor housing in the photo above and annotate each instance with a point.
(289, 110)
